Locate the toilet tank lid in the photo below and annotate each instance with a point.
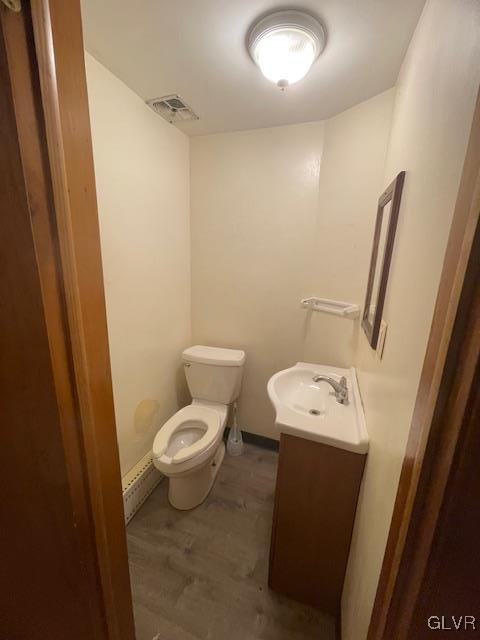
(214, 356)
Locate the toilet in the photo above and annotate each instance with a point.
(189, 447)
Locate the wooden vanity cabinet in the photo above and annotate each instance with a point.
(315, 501)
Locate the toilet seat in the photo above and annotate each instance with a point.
(193, 417)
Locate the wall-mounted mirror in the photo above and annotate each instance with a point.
(383, 240)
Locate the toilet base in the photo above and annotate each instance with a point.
(189, 490)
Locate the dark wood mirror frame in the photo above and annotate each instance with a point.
(393, 194)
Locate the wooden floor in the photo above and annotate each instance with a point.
(202, 574)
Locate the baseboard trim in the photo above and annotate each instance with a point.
(138, 484)
(259, 441)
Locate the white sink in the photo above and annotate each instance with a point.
(310, 409)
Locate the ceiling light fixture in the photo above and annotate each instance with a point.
(285, 44)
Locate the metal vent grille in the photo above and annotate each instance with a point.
(172, 108)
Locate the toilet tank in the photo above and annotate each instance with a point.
(213, 374)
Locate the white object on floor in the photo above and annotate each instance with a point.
(138, 484)
(189, 447)
(235, 440)
(333, 307)
(309, 409)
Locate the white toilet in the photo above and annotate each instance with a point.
(189, 447)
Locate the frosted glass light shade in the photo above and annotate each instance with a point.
(285, 44)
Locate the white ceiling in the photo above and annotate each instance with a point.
(196, 48)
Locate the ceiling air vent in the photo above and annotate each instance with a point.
(172, 108)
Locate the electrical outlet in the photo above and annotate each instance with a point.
(381, 339)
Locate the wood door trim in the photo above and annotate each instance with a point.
(429, 399)
(18, 38)
(451, 580)
(57, 56)
(41, 563)
(445, 434)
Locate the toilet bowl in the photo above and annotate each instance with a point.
(189, 450)
(189, 447)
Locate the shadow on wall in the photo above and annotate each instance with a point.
(312, 347)
(181, 388)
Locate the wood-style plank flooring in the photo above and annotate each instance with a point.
(202, 574)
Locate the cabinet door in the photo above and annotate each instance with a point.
(315, 501)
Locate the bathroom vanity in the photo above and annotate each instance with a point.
(323, 447)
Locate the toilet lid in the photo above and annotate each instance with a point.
(188, 417)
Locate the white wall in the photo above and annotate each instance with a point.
(142, 175)
(276, 215)
(433, 111)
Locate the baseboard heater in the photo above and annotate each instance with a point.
(138, 484)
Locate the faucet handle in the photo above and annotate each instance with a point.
(343, 382)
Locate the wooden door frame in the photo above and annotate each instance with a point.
(440, 406)
(45, 56)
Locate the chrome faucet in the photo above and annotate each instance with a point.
(340, 388)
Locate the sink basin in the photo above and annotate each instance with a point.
(310, 410)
